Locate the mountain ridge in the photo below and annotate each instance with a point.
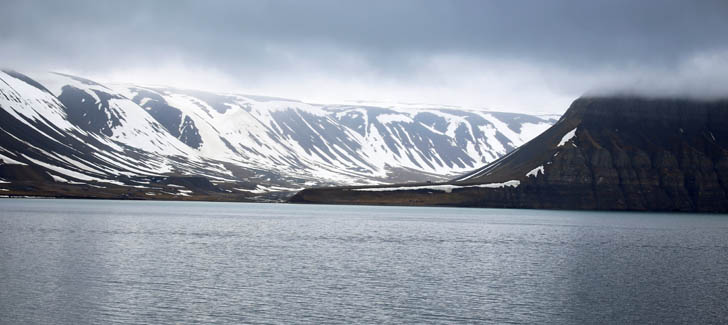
(81, 131)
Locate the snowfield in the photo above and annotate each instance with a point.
(92, 131)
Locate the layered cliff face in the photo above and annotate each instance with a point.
(606, 153)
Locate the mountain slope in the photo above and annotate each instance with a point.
(75, 131)
(609, 153)
(340, 143)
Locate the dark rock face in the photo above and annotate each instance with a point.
(195, 182)
(626, 154)
(87, 112)
(643, 154)
(170, 117)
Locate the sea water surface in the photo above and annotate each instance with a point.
(86, 261)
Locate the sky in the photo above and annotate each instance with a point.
(520, 56)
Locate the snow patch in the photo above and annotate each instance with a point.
(70, 173)
(260, 189)
(63, 180)
(10, 161)
(567, 137)
(390, 118)
(443, 188)
(184, 192)
(511, 183)
(534, 172)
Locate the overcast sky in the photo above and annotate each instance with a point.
(527, 56)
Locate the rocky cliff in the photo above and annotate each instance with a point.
(605, 153)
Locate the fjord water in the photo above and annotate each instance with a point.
(80, 261)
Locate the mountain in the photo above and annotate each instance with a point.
(605, 153)
(62, 135)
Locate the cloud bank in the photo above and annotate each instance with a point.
(530, 56)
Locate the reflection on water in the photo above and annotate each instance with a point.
(75, 261)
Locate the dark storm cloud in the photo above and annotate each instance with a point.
(264, 37)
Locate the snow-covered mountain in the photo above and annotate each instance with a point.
(80, 131)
